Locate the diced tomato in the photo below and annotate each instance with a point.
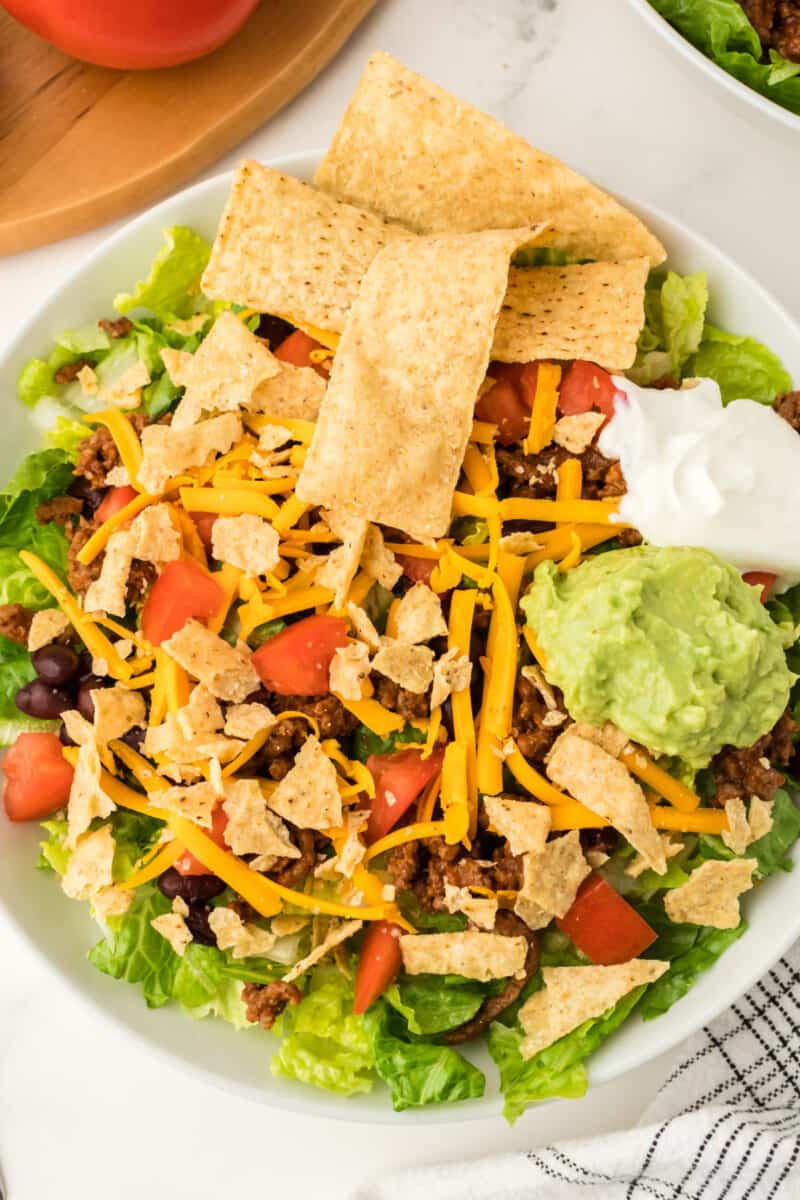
(113, 501)
(204, 523)
(296, 662)
(187, 864)
(182, 590)
(296, 349)
(38, 777)
(378, 963)
(419, 570)
(604, 926)
(399, 779)
(584, 387)
(763, 579)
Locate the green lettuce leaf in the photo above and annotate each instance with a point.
(85, 340)
(558, 1070)
(36, 379)
(782, 68)
(53, 854)
(771, 851)
(675, 308)
(136, 952)
(176, 269)
(743, 368)
(325, 1044)
(15, 671)
(420, 1073)
(206, 987)
(431, 1004)
(365, 742)
(67, 435)
(429, 922)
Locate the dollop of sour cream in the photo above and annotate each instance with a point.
(701, 474)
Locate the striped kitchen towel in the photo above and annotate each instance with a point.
(724, 1126)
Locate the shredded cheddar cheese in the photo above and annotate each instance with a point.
(543, 413)
(99, 539)
(230, 501)
(125, 439)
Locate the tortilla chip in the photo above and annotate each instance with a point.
(108, 592)
(338, 568)
(112, 901)
(349, 669)
(284, 248)
(118, 476)
(46, 626)
(78, 728)
(480, 910)
(409, 666)
(759, 817)
(397, 415)
(295, 393)
(227, 671)
(247, 720)
(602, 783)
(116, 710)
(200, 714)
(737, 837)
(87, 378)
(154, 538)
(594, 311)
(222, 374)
(173, 927)
(576, 433)
(639, 865)
(418, 616)
(482, 956)
(309, 795)
(572, 995)
(551, 880)
(364, 630)
(247, 542)
(524, 824)
(167, 451)
(520, 542)
(335, 936)
(243, 939)
(89, 866)
(451, 673)
(711, 894)
(377, 561)
(252, 828)
(608, 736)
(168, 740)
(410, 150)
(87, 799)
(535, 675)
(195, 802)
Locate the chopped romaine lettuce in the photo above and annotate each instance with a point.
(325, 1043)
(674, 313)
(771, 851)
(53, 853)
(431, 1004)
(419, 1073)
(168, 290)
(136, 952)
(365, 742)
(743, 368)
(429, 922)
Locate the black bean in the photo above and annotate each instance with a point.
(134, 737)
(55, 665)
(201, 931)
(194, 889)
(92, 497)
(447, 717)
(85, 702)
(38, 700)
(84, 664)
(274, 329)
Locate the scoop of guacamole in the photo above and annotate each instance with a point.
(668, 643)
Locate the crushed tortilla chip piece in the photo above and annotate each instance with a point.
(711, 894)
(87, 378)
(108, 592)
(227, 671)
(480, 910)
(246, 720)
(608, 736)
(474, 955)
(759, 817)
(335, 936)
(418, 616)
(602, 783)
(284, 925)
(87, 799)
(308, 795)
(172, 926)
(78, 728)
(572, 995)
(200, 714)
(186, 326)
(46, 626)
(167, 451)
(338, 568)
(638, 865)
(196, 802)
(577, 432)
(520, 542)
(409, 666)
(377, 561)
(154, 538)
(252, 828)
(89, 866)
(118, 476)
(116, 710)
(245, 940)
(364, 630)
(126, 391)
(112, 902)
(535, 675)
(551, 880)
(247, 542)
(523, 823)
(168, 739)
(295, 394)
(737, 837)
(349, 668)
(451, 673)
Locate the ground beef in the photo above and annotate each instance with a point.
(533, 476)
(425, 866)
(141, 578)
(509, 925)
(61, 510)
(118, 328)
(411, 705)
(80, 576)
(777, 23)
(98, 454)
(265, 1002)
(69, 372)
(403, 865)
(330, 714)
(15, 622)
(533, 737)
(743, 773)
(292, 871)
(788, 407)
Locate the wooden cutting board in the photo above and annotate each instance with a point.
(80, 145)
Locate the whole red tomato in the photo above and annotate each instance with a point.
(133, 35)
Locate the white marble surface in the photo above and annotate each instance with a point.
(86, 1116)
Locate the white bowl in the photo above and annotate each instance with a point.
(757, 107)
(61, 930)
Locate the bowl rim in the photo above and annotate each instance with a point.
(768, 108)
(298, 1098)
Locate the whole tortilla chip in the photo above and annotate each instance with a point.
(410, 150)
(286, 249)
(594, 311)
(397, 415)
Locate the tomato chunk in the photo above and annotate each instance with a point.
(204, 523)
(182, 590)
(399, 779)
(296, 662)
(296, 348)
(38, 777)
(378, 964)
(113, 501)
(187, 864)
(586, 386)
(417, 569)
(763, 579)
(604, 926)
